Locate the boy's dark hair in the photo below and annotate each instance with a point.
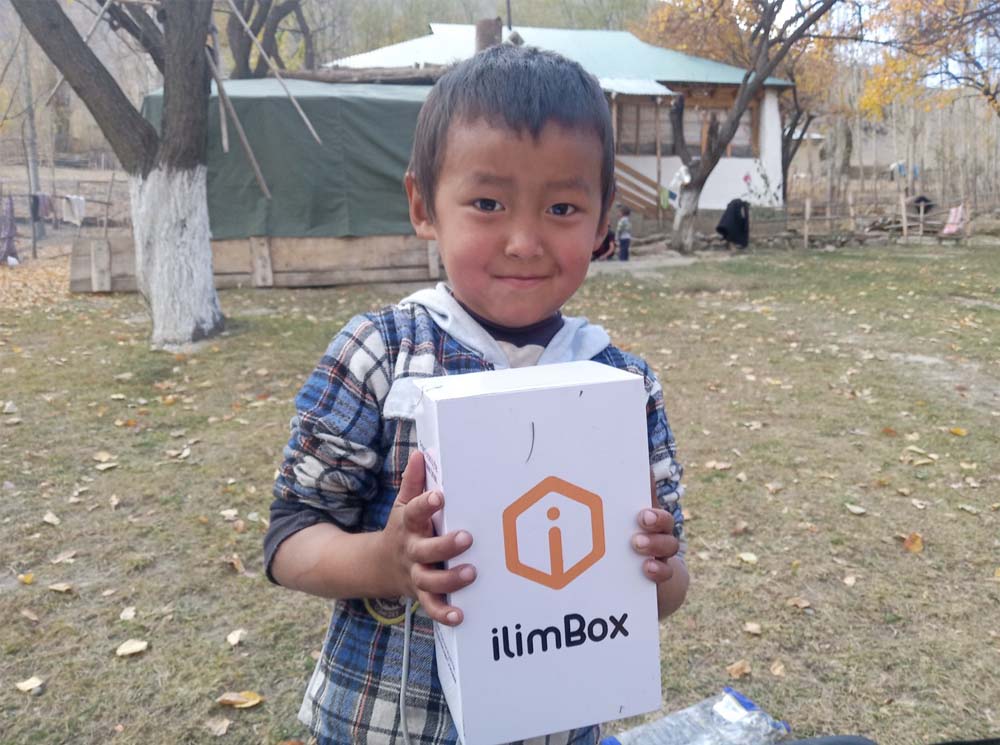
(626, 210)
(522, 88)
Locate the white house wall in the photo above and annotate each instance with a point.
(728, 180)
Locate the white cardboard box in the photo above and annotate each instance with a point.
(547, 467)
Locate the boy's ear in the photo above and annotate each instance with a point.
(419, 216)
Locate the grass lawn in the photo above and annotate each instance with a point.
(797, 384)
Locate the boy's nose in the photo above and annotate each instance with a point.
(524, 242)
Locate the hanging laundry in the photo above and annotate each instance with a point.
(75, 209)
(44, 206)
(8, 229)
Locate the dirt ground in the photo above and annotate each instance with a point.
(837, 412)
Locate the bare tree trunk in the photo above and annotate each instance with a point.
(685, 217)
(166, 173)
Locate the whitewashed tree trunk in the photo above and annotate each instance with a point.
(173, 255)
(682, 237)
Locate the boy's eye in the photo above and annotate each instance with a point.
(562, 209)
(487, 205)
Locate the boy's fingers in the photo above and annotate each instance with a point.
(656, 521)
(440, 548)
(412, 484)
(658, 571)
(442, 581)
(418, 510)
(657, 545)
(435, 607)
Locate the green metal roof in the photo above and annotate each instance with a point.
(604, 54)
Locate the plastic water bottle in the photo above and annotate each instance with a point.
(727, 719)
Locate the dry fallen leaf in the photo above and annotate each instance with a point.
(778, 669)
(914, 543)
(969, 508)
(748, 557)
(131, 647)
(741, 477)
(855, 509)
(753, 628)
(741, 528)
(241, 700)
(919, 504)
(774, 487)
(959, 431)
(106, 466)
(29, 685)
(903, 491)
(236, 563)
(61, 587)
(27, 578)
(127, 613)
(235, 637)
(30, 615)
(217, 726)
(103, 456)
(51, 518)
(797, 602)
(850, 580)
(65, 557)
(739, 669)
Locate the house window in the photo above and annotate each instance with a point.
(696, 123)
(637, 129)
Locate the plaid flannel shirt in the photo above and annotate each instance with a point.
(344, 464)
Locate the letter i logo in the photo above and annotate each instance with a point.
(572, 521)
(555, 544)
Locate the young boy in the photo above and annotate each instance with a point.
(624, 232)
(512, 175)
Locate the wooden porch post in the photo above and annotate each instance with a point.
(659, 186)
(614, 120)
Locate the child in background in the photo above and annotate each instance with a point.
(624, 231)
(512, 174)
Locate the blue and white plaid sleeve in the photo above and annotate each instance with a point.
(332, 460)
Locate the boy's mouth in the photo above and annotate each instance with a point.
(519, 282)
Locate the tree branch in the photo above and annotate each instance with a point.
(132, 138)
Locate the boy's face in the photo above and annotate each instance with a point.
(516, 219)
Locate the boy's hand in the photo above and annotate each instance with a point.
(416, 553)
(656, 540)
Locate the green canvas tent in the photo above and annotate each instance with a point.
(351, 185)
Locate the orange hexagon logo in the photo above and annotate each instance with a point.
(573, 521)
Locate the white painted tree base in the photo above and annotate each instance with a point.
(173, 255)
(682, 238)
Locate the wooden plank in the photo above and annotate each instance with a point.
(260, 254)
(232, 256)
(625, 182)
(349, 277)
(100, 265)
(644, 201)
(636, 202)
(433, 260)
(637, 175)
(337, 254)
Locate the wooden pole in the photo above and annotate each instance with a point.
(902, 212)
(274, 70)
(659, 163)
(239, 127)
(614, 119)
(805, 225)
(107, 207)
(223, 128)
(921, 227)
(850, 209)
